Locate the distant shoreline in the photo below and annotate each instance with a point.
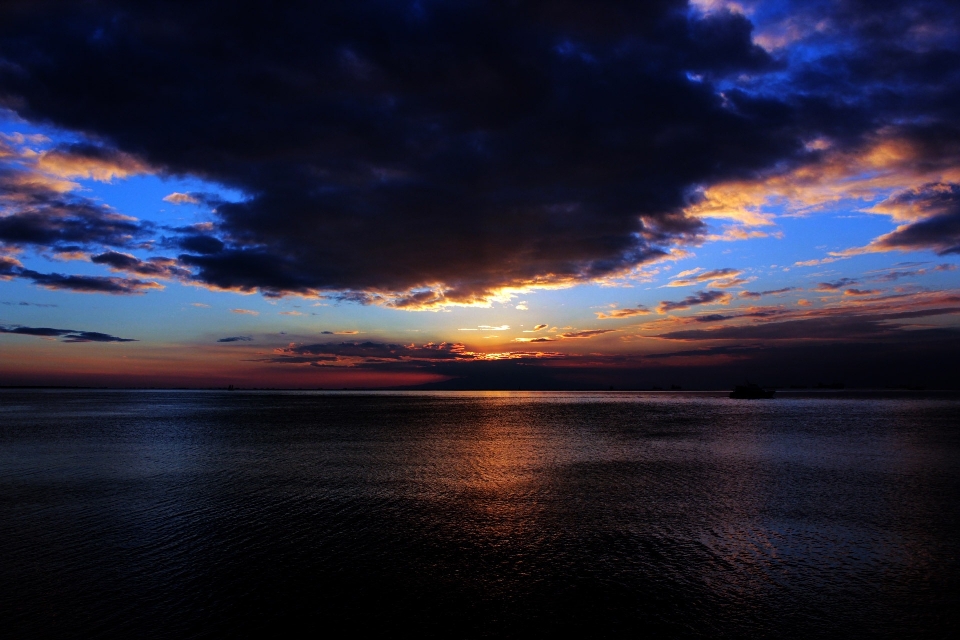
(780, 390)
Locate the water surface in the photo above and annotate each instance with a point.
(202, 514)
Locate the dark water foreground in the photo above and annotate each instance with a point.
(177, 514)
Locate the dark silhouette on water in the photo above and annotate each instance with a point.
(751, 391)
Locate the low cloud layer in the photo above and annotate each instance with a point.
(860, 315)
(66, 335)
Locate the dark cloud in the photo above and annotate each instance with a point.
(88, 284)
(371, 352)
(886, 65)
(903, 59)
(939, 228)
(251, 269)
(68, 335)
(236, 339)
(200, 243)
(157, 266)
(699, 298)
(467, 146)
(9, 266)
(34, 331)
(94, 336)
(64, 221)
(728, 350)
(770, 292)
(39, 211)
(30, 304)
(767, 312)
(841, 327)
(897, 274)
(836, 285)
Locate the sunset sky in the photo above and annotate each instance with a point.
(479, 194)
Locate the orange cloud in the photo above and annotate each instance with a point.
(584, 334)
(86, 161)
(181, 198)
(887, 162)
(7, 266)
(720, 278)
(623, 313)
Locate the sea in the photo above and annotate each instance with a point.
(208, 514)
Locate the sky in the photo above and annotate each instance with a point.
(480, 195)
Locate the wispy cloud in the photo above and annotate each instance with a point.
(88, 284)
(720, 278)
(623, 313)
(584, 334)
(769, 292)
(827, 287)
(68, 335)
(699, 298)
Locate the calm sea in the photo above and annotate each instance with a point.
(207, 514)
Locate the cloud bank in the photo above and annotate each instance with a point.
(476, 149)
